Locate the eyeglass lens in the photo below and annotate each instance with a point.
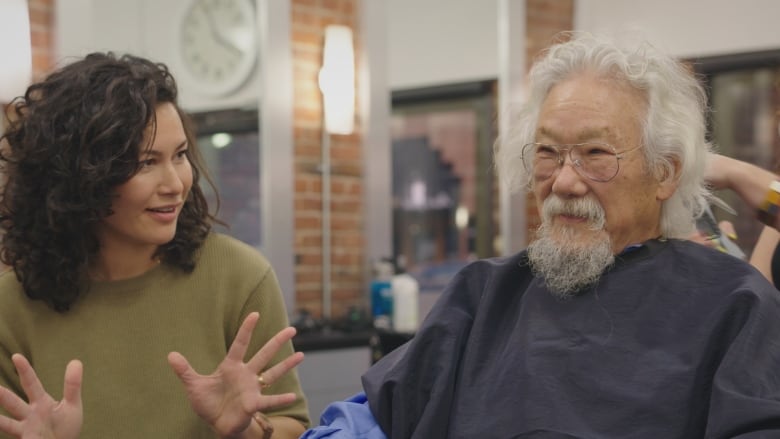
(595, 161)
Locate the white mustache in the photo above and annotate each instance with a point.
(587, 208)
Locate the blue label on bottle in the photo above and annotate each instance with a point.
(382, 303)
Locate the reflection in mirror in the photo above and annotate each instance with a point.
(744, 95)
(442, 179)
(229, 141)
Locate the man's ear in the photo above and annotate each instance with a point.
(668, 179)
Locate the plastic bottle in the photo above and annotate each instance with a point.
(406, 302)
(382, 295)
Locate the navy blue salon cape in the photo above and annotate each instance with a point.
(675, 341)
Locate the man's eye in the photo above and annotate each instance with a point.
(546, 151)
(595, 149)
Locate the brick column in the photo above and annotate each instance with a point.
(309, 18)
(544, 20)
(41, 35)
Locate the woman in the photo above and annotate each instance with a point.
(115, 269)
(757, 187)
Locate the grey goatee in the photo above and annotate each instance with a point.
(567, 259)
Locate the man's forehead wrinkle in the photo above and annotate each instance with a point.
(582, 136)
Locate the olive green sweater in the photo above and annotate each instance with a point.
(122, 331)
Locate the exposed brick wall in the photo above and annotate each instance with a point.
(309, 18)
(41, 35)
(545, 19)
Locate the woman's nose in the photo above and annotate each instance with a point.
(171, 181)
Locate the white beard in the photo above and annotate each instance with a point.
(568, 259)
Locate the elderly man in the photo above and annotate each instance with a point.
(609, 325)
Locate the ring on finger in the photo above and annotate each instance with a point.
(262, 381)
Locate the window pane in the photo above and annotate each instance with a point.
(443, 189)
(230, 144)
(744, 126)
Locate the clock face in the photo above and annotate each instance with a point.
(218, 44)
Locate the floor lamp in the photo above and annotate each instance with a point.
(337, 84)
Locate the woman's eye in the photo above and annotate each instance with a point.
(181, 154)
(146, 163)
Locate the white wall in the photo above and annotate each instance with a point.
(142, 27)
(688, 28)
(432, 42)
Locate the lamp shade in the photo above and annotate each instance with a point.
(337, 80)
(15, 49)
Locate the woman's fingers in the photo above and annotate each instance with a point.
(260, 359)
(727, 227)
(240, 344)
(181, 367)
(10, 426)
(271, 401)
(30, 383)
(271, 375)
(15, 406)
(71, 392)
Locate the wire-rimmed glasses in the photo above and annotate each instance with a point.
(593, 160)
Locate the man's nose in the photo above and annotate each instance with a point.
(567, 179)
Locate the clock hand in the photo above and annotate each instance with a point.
(214, 30)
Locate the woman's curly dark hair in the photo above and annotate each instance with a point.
(72, 139)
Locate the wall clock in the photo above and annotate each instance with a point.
(218, 44)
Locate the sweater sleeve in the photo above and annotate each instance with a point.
(267, 299)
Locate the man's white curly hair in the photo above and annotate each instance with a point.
(673, 130)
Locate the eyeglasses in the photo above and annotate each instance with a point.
(596, 161)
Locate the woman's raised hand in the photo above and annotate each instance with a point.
(41, 416)
(229, 398)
